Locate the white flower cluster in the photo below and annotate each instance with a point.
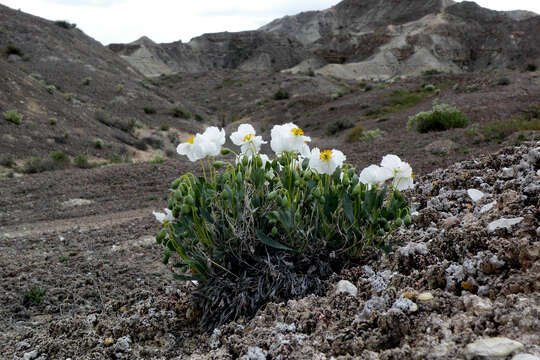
(289, 138)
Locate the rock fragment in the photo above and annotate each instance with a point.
(525, 357)
(503, 223)
(497, 347)
(31, 355)
(476, 304)
(475, 195)
(255, 353)
(425, 296)
(346, 287)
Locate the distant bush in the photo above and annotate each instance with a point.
(11, 49)
(81, 161)
(199, 117)
(430, 87)
(121, 124)
(98, 144)
(53, 121)
(358, 134)
(138, 124)
(442, 117)
(120, 88)
(149, 110)
(13, 116)
(432, 72)
(339, 126)
(55, 161)
(157, 159)
(503, 81)
(65, 24)
(500, 130)
(156, 143)
(7, 160)
(51, 89)
(86, 81)
(281, 95)
(532, 67)
(164, 127)
(179, 112)
(33, 296)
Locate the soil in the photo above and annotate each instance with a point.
(447, 283)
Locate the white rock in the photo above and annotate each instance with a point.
(487, 207)
(425, 296)
(23, 345)
(346, 287)
(123, 344)
(30, 355)
(503, 223)
(507, 173)
(525, 357)
(76, 202)
(497, 347)
(254, 353)
(475, 195)
(413, 248)
(476, 304)
(405, 305)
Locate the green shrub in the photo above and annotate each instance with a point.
(53, 121)
(256, 232)
(51, 89)
(503, 81)
(59, 156)
(359, 134)
(338, 126)
(13, 116)
(81, 161)
(65, 24)
(98, 144)
(86, 81)
(11, 49)
(150, 110)
(121, 124)
(179, 112)
(500, 130)
(442, 117)
(355, 134)
(199, 117)
(120, 88)
(154, 142)
(157, 159)
(139, 124)
(281, 95)
(164, 127)
(54, 161)
(532, 67)
(7, 160)
(33, 165)
(33, 296)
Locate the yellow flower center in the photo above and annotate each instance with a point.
(412, 174)
(190, 139)
(248, 137)
(297, 131)
(326, 155)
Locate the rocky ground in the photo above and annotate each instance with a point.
(461, 282)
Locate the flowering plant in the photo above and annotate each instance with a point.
(277, 226)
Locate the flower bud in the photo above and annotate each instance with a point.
(357, 189)
(176, 211)
(317, 193)
(381, 232)
(407, 220)
(398, 222)
(189, 200)
(176, 183)
(186, 209)
(274, 231)
(226, 151)
(271, 196)
(219, 164)
(245, 161)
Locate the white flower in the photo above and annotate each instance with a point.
(163, 217)
(263, 157)
(192, 148)
(216, 139)
(288, 137)
(374, 175)
(246, 139)
(402, 172)
(326, 162)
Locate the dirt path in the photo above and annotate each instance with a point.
(80, 223)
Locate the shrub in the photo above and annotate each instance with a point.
(13, 50)
(138, 124)
(121, 124)
(98, 144)
(179, 112)
(503, 81)
(355, 134)
(65, 24)
(359, 134)
(33, 296)
(55, 161)
(199, 117)
(500, 130)
(53, 121)
(154, 142)
(339, 126)
(149, 110)
(281, 95)
(86, 81)
(7, 160)
(270, 230)
(532, 67)
(81, 161)
(164, 127)
(442, 117)
(51, 89)
(13, 116)
(120, 88)
(157, 159)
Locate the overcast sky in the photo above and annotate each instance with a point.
(123, 21)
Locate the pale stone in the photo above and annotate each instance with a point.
(525, 357)
(497, 347)
(476, 304)
(75, 202)
(255, 353)
(346, 287)
(487, 207)
(503, 223)
(30, 355)
(507, 173)
(475, 195)
(405, 305)
(425, 296)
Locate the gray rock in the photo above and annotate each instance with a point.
(498, 347)
(91, 320)
(405, 305)
(507, 173)
(346, 287)
(123, 344)
(503, 223)
(413, 248)
(215, 341)
(487, 207)
(476, 304)
(23, 345)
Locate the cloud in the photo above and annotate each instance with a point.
(83, 3)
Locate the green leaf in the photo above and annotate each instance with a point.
(272, 243)
(348, 207)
